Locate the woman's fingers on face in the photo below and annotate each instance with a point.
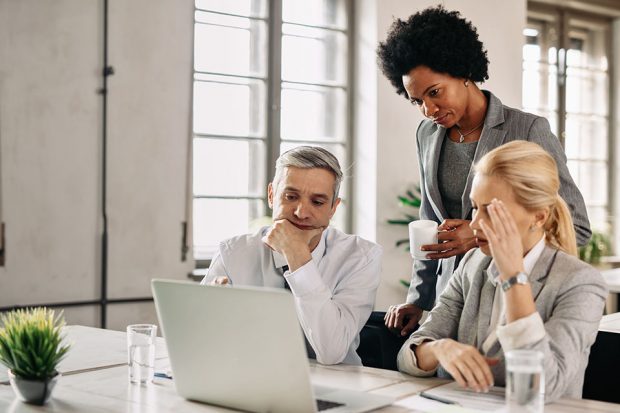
(498, 225)
(510, 221)
(490, 233)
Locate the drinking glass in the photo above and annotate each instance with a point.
(525, 381)
(141, 352)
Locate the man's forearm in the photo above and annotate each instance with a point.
(297, 257)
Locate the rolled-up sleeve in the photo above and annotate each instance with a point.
(522, 332)
(332, 320)
(408, 362)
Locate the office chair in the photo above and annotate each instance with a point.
(601, 378)
(379, 346)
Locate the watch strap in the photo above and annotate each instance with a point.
(520, 278)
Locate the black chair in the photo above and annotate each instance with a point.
(378, 346)
(601, 378)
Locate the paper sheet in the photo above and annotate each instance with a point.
(419, 404)
(493, 401)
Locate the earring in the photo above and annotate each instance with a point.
(467, 83)
(533, 228)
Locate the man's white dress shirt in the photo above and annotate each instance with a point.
(334, 292)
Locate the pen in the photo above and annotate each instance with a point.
(437, 398)
(163, 375)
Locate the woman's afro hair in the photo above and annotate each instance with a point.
(438, 39)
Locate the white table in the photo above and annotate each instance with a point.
(95, 380)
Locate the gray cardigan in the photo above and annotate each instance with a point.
(569, 296)
(501, 125)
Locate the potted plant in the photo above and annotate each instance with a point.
(31, 348)
(410, 200)
(597, 247)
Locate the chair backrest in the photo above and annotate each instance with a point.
(601, 378)
(379, 346)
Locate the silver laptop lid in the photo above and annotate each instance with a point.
(238, 347)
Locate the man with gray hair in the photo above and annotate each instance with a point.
(333, 276)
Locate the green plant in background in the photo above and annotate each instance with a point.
(411, 201)
(30, 343)
(597, 247)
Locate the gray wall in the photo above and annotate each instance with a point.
(50, 150)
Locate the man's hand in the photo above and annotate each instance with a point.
(455, 237)
(402, 319)
(464, 363)
(292, 242)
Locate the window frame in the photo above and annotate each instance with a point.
(273, 111)
(562, 16)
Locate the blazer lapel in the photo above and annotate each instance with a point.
(432, 157)
(491, 137)
(477, 298)
(541, 270)
(487, 294)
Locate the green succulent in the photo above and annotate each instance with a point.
(597, 247)
(31, 342)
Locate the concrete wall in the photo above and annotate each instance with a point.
(389, 122)
(50, 150)
(50, 142)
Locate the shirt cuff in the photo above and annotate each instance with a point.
(407, 361)
(521, 333)
(305, 280)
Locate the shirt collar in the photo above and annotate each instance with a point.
(279, 260)
(528, 261)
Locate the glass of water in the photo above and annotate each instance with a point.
(141, 352)
(525, 381)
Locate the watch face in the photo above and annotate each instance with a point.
(522, 278)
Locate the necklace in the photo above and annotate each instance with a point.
(463, 135)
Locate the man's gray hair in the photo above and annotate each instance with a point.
(308, 157)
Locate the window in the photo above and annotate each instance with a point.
(268, 76)
(566, 80)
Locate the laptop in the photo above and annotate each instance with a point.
(243, 348)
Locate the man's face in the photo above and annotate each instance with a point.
(304, 197)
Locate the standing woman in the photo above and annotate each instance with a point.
(434, 59)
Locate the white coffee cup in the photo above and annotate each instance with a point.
(421, 232)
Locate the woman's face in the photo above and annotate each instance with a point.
(484, 189)
(440, 97)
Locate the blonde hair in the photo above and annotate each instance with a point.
(533, 176)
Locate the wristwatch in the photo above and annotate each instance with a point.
(520, 278)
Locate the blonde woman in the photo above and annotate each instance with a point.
(523, 287)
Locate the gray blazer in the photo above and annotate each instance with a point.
(569, 295)
(501, 125)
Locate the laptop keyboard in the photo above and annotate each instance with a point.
(326, 405)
